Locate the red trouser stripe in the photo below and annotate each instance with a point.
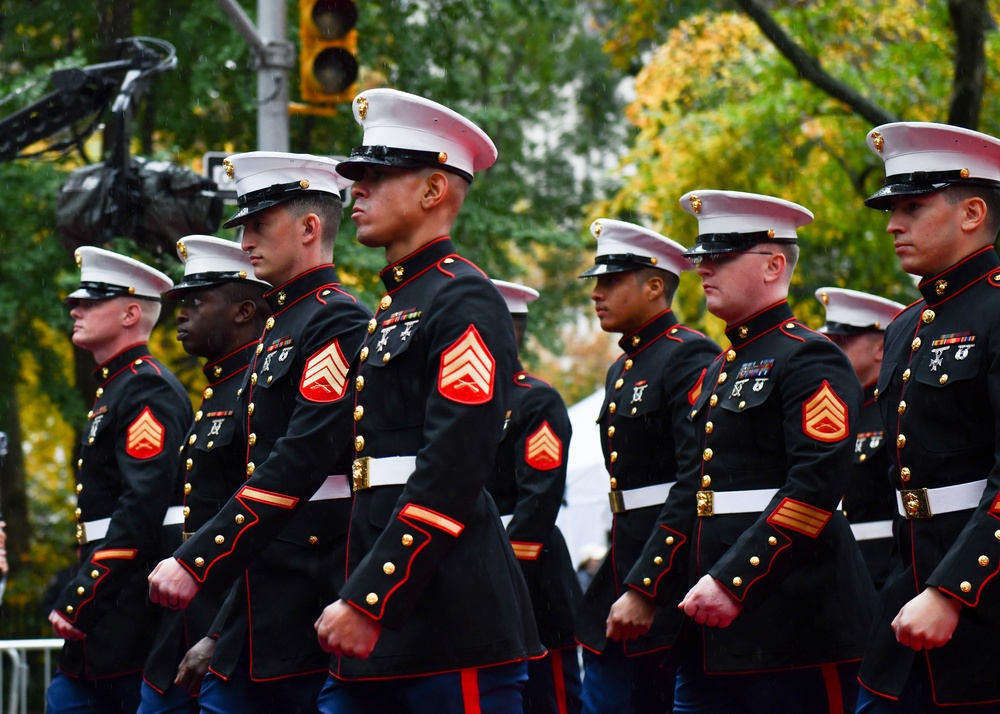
(834, 695)
(470, 691)
(558, 678)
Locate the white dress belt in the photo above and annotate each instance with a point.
(369, 472)
(749, 501)
(872, 530)
(644, 497)
(95, 530)
(927, 502)
(334, 487)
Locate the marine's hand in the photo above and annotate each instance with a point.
(708, 603)
(631, 616)
(927, 621)
(346, 632)
(193, 667)
(171, 585)
(64, 629)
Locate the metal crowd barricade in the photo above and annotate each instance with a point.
(14, 697)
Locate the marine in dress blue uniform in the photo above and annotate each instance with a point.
(221, 319)
(856, 322)
(933, 640)
(435, 615)
(781, 598)
(646, 438)
(127, 475)
(282, 535)
(528, 486)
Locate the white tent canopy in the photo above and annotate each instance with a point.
(585, 519)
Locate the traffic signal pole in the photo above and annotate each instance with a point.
(274, 57)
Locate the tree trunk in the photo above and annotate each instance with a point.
(13, 484)
(971, 19)
(811, 70)
(114, 22)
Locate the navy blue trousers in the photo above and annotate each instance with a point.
(482, 690)
(825, 689)
(614, 683)
(67, 695)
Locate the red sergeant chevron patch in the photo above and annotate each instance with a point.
(324, 378)
(467, 370)
(824, 415)
(543, 449)
(145, 436)
(800, 517)
(525, 550)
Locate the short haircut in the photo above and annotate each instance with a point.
(955, 192)
(327, 206)
(150, 314)
(790, 251)
(240, 290)
(236, 291)
(670, 281)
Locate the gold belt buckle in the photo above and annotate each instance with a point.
(706, 503)
(617, 501)
(359, 473)
(81, 534)
(915, 503)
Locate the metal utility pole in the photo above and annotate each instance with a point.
(275, 56)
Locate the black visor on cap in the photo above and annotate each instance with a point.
(255, 201)
(840, 328)
(89, 290)
(919, 183)
(617, 263)
(715, 243)
(379, 155)
(197, 281)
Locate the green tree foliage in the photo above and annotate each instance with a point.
(718, 106)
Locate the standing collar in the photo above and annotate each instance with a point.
(949, 283)
(403, 271)
(657, 327)
(233, 363)
(756, 325)
(281, 297)
(107, 371)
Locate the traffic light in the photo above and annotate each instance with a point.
(327, 64)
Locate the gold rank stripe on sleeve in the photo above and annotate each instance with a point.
(145, 436)
(543, 449)
(824, 415)
(272, 499)
(324, 378)
(995, 508)
(799, 517)
(467, 370)
(526, 551)
(432, 518)
(114, 554)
